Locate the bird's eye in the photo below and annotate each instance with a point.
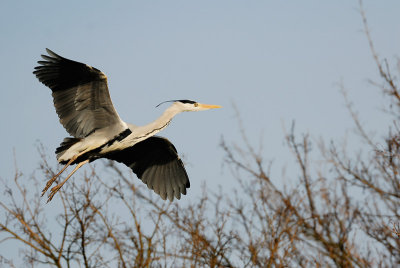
(196, 104)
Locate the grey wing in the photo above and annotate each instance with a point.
(155, 161)
(80, 94)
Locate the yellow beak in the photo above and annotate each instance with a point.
(208, 106)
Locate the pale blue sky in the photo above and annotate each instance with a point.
(278, 61)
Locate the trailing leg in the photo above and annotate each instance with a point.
(55, 189)
(51, 181)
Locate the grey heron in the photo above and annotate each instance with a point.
(83, 104)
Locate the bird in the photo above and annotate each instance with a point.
(83, 104)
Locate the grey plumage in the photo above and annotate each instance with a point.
(156, 162)
(83, 104)
(80, 94)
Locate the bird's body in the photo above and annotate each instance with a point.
(83, 104)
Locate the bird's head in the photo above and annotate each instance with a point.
(190, 106)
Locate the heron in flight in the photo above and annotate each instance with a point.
(83, 104)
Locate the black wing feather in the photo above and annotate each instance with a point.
(156, 162)
(59, 73)
(80, 94)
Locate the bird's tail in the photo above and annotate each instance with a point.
(65, 145)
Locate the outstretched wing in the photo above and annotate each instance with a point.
(155, 161)
(80, 94)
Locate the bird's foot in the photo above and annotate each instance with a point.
(53, 191)
(48, 184)
(51, 181)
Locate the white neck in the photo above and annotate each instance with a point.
(161, 122)
(151, 129)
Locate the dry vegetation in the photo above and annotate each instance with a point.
(316, 221)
